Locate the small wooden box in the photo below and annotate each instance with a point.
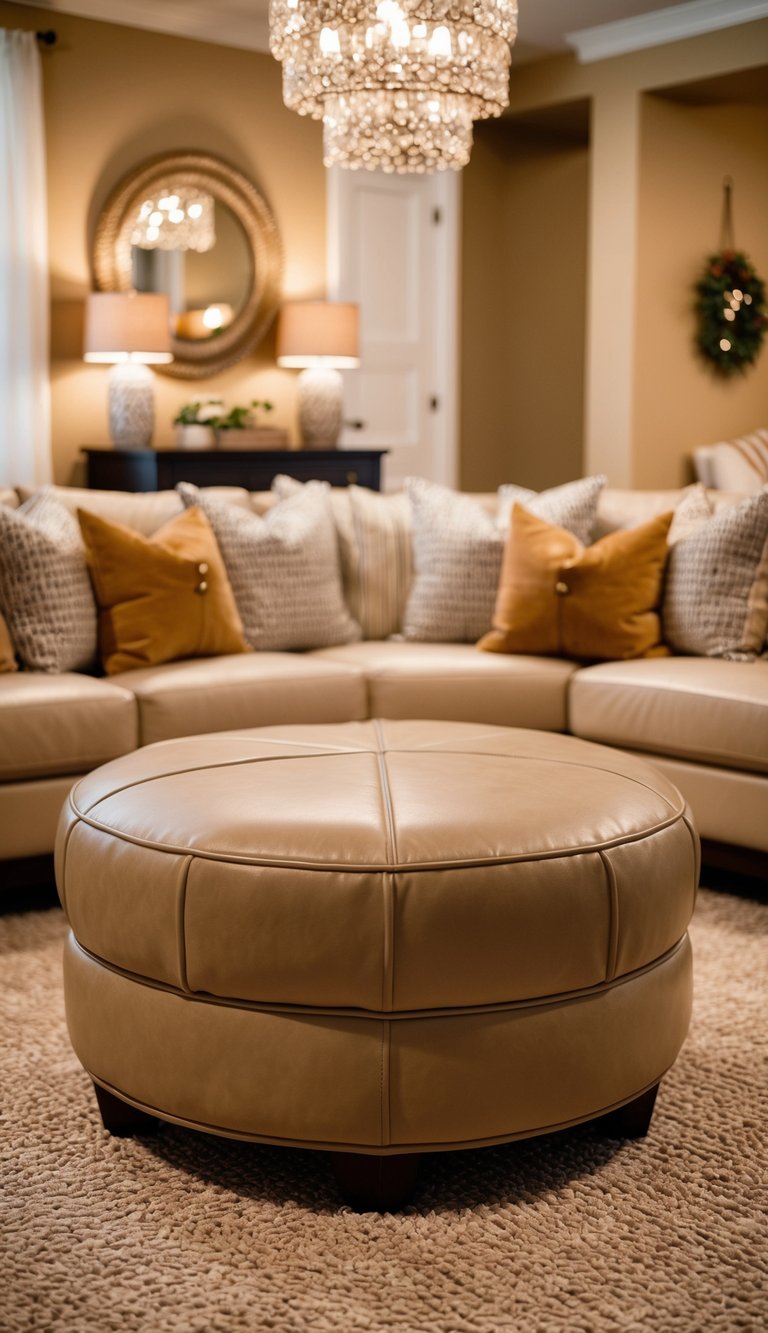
(253, 437)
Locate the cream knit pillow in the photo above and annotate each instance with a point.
(716, 597)
(284, 568)
(45, 590)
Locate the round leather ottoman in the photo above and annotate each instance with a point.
(377, 938)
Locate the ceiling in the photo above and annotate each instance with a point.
(544, 24)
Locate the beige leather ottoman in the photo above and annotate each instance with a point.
(377, 938)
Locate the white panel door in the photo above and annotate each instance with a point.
(393, 248)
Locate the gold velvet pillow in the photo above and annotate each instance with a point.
(595, 602)
(161, 597)
(7, 657)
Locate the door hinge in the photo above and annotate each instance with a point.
(437, 216)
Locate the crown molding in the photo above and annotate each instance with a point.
(661, 26)
(250, 33)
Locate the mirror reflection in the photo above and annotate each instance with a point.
(195, 228)
(207, 286)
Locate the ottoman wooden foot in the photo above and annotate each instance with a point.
(375, 1184)
(633, 1120)
(120, 1118)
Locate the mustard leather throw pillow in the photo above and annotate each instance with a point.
(595, 603)
(162, 597)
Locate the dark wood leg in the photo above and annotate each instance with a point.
(631, 1121)
(120, 1118)
(375, 1184)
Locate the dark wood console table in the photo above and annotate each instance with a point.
(161, 469)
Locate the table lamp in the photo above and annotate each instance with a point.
(320, 338)
(131, 331)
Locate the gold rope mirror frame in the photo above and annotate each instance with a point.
(112, 258)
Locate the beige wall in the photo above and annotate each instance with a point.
(628, 181)
(524, 293)
(115, 96)
(686, 151)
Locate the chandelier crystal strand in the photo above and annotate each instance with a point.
(397, 84)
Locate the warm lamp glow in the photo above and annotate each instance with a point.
(125, 326)
(318, 333)
(131, 331)
(320, 338)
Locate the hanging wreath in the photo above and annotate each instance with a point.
(730, 305)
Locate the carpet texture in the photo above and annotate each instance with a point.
(573, 1233)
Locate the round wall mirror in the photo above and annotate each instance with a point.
(193, 227)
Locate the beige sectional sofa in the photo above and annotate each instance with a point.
(704, 721)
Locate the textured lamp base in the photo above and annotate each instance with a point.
(131, 405)
(319, 408)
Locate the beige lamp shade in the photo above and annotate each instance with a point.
(318, 333)
(127, 326)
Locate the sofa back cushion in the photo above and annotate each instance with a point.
(142, 511)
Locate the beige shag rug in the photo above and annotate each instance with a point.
(572, 1233)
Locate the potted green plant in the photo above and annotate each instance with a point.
(196, 423)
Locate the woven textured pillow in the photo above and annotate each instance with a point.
(7, 655)
(716, 596)
(457, 552)
(284, 568)
(160, 598)
(572, 506)
(374, 532)
(45, 591)
(594, 603)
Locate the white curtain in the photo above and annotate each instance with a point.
(25, 446)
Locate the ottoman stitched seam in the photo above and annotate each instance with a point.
(372, 1015)
(613, 917)
(514, 858)
(181, 923)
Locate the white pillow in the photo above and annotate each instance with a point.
(572, 505)
(374, 532)
(283, 567)
(716, 592)
(457, 550)
(45, 589)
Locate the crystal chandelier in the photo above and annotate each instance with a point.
(177, 219)
(396, 83)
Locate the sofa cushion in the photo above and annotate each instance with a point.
(559, 597)
(67, 723)
(454, 682)
(716, 596)
(702, 709)
(736, 465)
(247, 690)
(162, 597)
(45, 591)
(284, 569)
